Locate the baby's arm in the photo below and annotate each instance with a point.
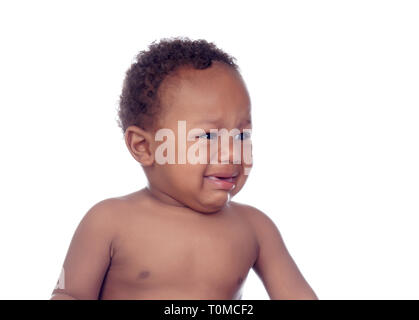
(274, 265)
(88, 256)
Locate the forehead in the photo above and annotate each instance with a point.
(217, 93)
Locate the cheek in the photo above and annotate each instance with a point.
(187, 176)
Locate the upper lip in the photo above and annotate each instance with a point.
(223, 174)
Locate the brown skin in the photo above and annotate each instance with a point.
(182, 237)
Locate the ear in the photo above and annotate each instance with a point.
(139, 144)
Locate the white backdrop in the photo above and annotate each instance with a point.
(335, 95)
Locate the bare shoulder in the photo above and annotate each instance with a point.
(114, 213)
(118, 204)
(256, 217)
(101, 216)
(104, 209)
(112, 210)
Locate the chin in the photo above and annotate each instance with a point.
(216, 203)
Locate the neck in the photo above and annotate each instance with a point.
(162, 197)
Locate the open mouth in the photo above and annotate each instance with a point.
(224, 181)
(228, 179)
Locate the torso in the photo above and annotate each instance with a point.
(165, 253)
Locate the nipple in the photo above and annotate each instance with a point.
(143, 274)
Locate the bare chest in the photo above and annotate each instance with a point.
(157, 252)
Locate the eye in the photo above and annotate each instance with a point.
(243, 135)
(208, 136)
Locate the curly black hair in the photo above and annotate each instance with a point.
(140, 99)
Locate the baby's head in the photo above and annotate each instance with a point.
(179, 97)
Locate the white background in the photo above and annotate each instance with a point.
(335, 94)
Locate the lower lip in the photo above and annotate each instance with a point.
(222, 184)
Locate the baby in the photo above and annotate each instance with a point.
(181, 237)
